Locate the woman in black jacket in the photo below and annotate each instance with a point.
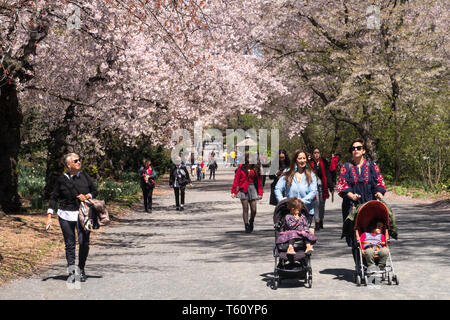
(179, 178)
(70, 190)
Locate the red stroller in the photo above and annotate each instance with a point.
(365, 214)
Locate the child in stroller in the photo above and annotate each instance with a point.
(374, 245)
(371, 232)
(293, 242)
(296, 227)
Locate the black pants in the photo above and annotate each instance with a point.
(177, 195)
(148, 196)
(68, 230)
(212, 173)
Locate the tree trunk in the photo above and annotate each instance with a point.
(307, 140)
(10, 122)
(396, 109)
(365, 130)
(336, 138)
(57, 148)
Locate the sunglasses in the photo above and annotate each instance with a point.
(76, 161)
(359, 148)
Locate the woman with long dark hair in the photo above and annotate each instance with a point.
(299, 182)
(247, 187)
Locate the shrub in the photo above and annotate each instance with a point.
(31, 180)
(111, 190)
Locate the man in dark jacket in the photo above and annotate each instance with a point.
(179, 178)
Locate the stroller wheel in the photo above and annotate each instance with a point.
(308, 279)
(389, 279)
(396, 280)
(358, 280)
(366, 281)
(274, 285)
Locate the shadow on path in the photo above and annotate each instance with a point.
(340, 274)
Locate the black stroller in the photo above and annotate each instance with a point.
(365, 214)
(288, 266)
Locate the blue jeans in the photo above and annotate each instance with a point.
(68, 230)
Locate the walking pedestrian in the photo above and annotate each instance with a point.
(69, 191)
(212, 168)
(298, 182)
(324, 185)
(248, 188)
(334, 167)
(283, 165)
(178, 180)
(192, 164)
(359, 182)
(199, 169)
(147, 176)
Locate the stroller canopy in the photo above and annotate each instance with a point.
(369, 211)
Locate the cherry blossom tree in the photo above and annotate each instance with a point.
(351, 68)
(134, 68)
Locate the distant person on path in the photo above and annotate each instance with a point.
(212, 166)
(178, 180)
(192, 163)
(296, 227)
(247, 187)
(324, 185)
(334, 167)
(203, 171)
(71, 188)
(360, 181)
(298, 182)
(283, 165)
(147, 176)
(225, 158)
(199, 169)
(232, 157)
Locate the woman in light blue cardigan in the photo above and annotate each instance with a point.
(300, 182)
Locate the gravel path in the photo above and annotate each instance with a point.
(203, 253)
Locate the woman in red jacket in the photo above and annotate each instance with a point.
(247, 187)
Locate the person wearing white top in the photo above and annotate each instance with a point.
(70, 190)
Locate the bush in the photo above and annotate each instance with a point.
(31, 181)
(110, 190)
(400, 190)
(130, 177)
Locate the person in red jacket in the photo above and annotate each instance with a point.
(247, 187)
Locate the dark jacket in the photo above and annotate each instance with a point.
(183, 180)
(66, 190)
(318, 172)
